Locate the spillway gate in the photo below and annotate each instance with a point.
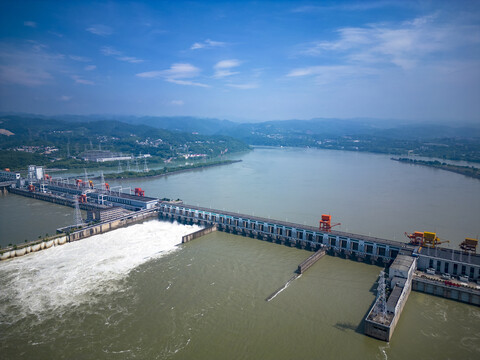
(296, 235)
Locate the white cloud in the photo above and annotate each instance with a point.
(311, 70)
(28, 63)
(23, 75)
(31, 24)
(150, 74)
(65, 98)
(405, 45)
(36, 46)
(101, 30)
(246, 86)
(187, 82)
(177, 73)
(79, 80)
(90, 67)
(130, 59)
(177, 102)
(207, 44)
(56, 34)
(222, 68)
(360, 6)
(110, 51)
(224, 73)
(79, 58)
(227, 64)
(325, 74)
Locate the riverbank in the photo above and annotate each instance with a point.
(166, 171)
(469, 171)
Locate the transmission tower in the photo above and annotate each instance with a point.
(77, 215)
(136, 165)
(120, 167)
(145, 166)
(86, 176)
(102, 181)
(128, 165)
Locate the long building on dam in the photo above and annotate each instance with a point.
(361, 247)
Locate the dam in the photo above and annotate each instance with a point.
(360, 247)
(386, 310)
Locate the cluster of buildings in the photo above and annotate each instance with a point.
(106, 155)
(46, 150)
(103, 156)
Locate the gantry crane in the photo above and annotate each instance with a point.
(325, 223)
(469, 245)
(425, 239)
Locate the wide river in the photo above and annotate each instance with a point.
(136, 293)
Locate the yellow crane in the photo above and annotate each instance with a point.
(425, 239)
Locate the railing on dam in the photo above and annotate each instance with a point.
(285, 232)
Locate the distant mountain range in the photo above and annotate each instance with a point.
(452, 142)
(253, 132)
(319, 126)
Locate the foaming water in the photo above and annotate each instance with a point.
(274, 295)
(70, 275)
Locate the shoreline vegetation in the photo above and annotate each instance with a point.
(167, 171)
(469, 171)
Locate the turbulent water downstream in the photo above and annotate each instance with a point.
(136, 293)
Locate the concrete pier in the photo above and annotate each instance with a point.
(305, 265)
(383, 317)
(199, 233)
(447, 289)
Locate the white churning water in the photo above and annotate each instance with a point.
(72, 274)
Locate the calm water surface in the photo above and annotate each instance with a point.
(368, 194)
(23, 218)
(133, 293)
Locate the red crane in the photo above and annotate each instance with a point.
(325, 223)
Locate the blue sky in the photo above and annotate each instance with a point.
(240, 60)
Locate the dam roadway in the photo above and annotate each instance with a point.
(287, 233)
(355, 246)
